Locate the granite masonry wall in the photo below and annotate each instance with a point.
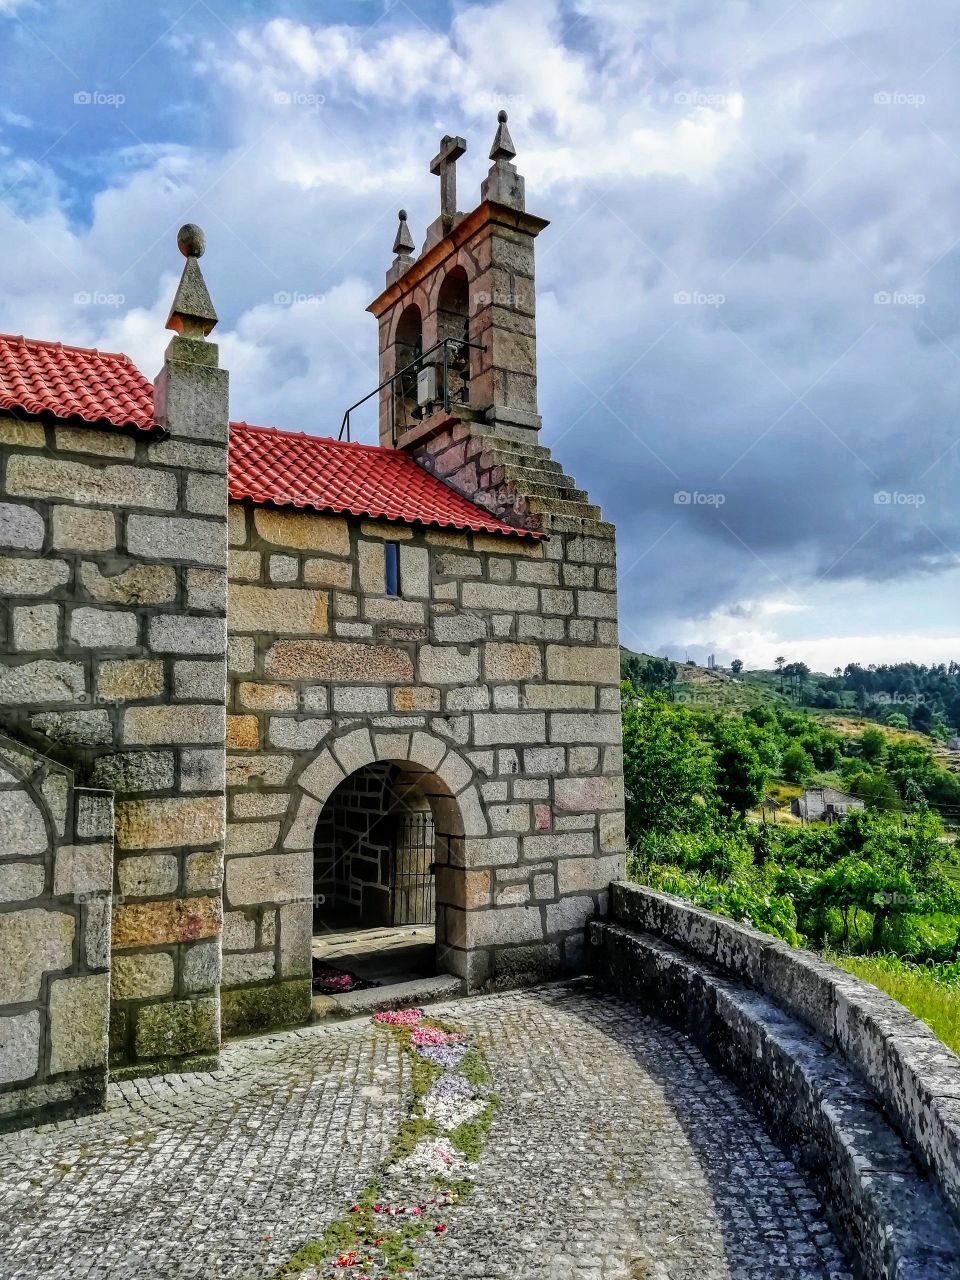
(112, 660)
(56, 872)
(493, 676)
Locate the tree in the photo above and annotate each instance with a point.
(741, 778)
(779, 663)
(736, 666)
(873, 744)
(797, 763)
(668, 771)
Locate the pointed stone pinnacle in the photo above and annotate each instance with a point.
(503, 148)
(403, 244)
(192, 313)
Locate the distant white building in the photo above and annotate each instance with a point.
(824, 804)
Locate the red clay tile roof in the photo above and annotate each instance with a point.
(105, 389)
(294, 469)
(69, 383)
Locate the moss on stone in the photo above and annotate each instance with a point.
(281, 1004)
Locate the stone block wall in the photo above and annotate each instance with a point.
(56, 872)
(112, 658)
(495, 673)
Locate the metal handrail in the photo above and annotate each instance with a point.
(418, 362)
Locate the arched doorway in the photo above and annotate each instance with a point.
(389, 854)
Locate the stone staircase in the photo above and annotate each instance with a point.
(529, 472)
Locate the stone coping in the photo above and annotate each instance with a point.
(915, 1075)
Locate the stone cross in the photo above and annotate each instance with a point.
(444, 165)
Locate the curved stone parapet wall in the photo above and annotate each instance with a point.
(863, 1093)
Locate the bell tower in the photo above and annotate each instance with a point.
(458, 323)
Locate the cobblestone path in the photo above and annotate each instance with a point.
(615, 1152)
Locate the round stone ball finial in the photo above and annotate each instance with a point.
(502, 117)
(191, 241)
(402, 215)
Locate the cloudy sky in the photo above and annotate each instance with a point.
(749, 293)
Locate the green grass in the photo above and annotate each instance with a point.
(931, 993)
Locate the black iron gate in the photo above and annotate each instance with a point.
(412, 879)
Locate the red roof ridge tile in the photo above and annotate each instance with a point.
(68, 346)
(312, 435)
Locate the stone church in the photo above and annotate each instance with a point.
(237, 660)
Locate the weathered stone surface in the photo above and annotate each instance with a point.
(281, 1004)
(242, 968)
(584, 727)
(252, 837)
(81, 728)
(103, 628)
(142, 977)
(20, 881)
(490, 729)
(33, 476)
(303, 531)
(202, 769)
(244, 566)
(105, 444)
(148, 876)
(170, 633)
(22, 824)
(440, 664)
(243, 733)
(83, 529)
(83, 869)
(36, 627)
(32, 942)
(28, 577)
(140, 584)
(20, 1037)
(207, 589)
(330, 660)
(175, 820)
(134, 678)
(267, 697)
(149, 726)
(260, 804)
(239, 932)
(145, 924)
(203, 871)
(135, 771)
(200, 681)
(42, 681)
(178, 538)
(79, 1009)
(297, 734)
(178, 1028)
(265, 770)
(21, 528)
(579, 663)
(416, 698)
(272, 877)
(580, 795)
(277, 610)
(512, 662)
(201, 966)
(27, 434)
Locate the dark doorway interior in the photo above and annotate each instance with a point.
(374, 851)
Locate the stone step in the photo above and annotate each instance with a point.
(400, 995)
(559, 507)
(537, 475)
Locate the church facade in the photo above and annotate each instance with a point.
(223, 645)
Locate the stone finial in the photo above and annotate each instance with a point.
(403, 248)
(503, 185)
(192, 314)
(403, 245)
(503, 148)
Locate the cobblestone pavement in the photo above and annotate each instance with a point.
(615, 1152)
